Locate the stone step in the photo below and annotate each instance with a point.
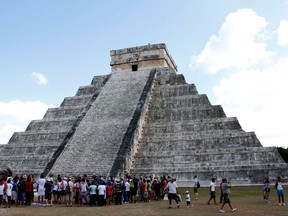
(51, 125)
(86, 90)
(63, 112)
(186, 101)
(192, 126)
(28, 150)
(175, 90)
(22, 137)
(174, 115)
(75, 101)
(170, 77)
(173, 144)
(205, 159)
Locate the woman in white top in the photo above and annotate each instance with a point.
(8, 191)
(1, 191)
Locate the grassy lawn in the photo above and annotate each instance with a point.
(248, 200)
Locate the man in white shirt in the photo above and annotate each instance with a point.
(101, 194)
(172, 189)
(212, 192)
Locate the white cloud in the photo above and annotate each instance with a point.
(239, 44)
(16, 115)
(258, 99)
(255, 91)
(40, 78)
(282, 33)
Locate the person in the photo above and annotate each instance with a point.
(101, 194)
(188, 200)
(28, 190)
(118, 192)
(127, 191)
(8, 192)
(221, 192)
(68, 191)
(172, 189)
(1, 190)
(109, 193)
(226, 192)
(266, 189)
(48, 186)
(41, 191)
(196, 187)
(212, 192)
(92, 193)
(21, 191)
(280, 191)
(55, 191)
(83, 190)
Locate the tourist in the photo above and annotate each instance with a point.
(212, 192)
(83, 190)
(126, 191)
(14, 190)
(221, 192)
(28, 190)
(157, 187)
(163, 184)
(266, 189)
(133, 189)
(280, 191)
(48, 186)
(101, 194)
(188, 200)
(56, 194)
(172, 189)
(41, 191)
(21, 192)
(1, 190)
(92, 193)
(68, 192)
(109, 193)
(76, 190)
(149, 189)
(196, 187)
(8, 192)
(118, 192)
(226, 193)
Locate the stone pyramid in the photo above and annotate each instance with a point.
(142, 118)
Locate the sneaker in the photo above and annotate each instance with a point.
(221, 210)
(283, 204)
(178, 206)
(279, 204)
(234, 209)
(170, 206)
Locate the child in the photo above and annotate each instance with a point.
(188, 202)
(280, 191)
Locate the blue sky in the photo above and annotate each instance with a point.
(234, 51)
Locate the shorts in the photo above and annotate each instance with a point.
(212, 194)
(41, 191)
(195, 190)
(172, 196)
(188, 203)
(267, 189)
(226, 198)
(20, 196)
(14, 195)
(280, 192)
(48, 196)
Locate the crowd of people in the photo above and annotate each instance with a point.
(101, 191)
(80, 190)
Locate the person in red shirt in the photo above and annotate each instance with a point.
(28, 190)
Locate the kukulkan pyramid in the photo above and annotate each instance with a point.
(142, 118)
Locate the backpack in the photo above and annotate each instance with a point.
(62, 185)
(132, 184)
(198, 184)
(67, 189)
